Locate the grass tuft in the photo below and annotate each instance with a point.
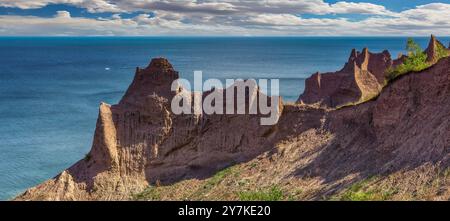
(151, 193)
(272, 194)
(361, 191)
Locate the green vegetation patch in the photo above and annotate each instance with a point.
(151, 193)
(219, 177)
(271, 194)
(442, 52)
(361, 191)
(214, 181)
(416, 61)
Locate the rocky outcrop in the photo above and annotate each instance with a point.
(394, 147)
(140, 141)
(356, 81)
(319, 150)
(362, 78)
(432, 50)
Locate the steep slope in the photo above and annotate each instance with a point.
(362, 78)
(393, 148)
(402, 137)
(140, 141)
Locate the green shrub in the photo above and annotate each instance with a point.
(416, 61)
(214, 181)
(218, 177)
(356, 193)
(151, 193)
(442, 52)
(363, 191)
(272, 194)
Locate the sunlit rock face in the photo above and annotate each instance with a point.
(362, 78)
(140, 141)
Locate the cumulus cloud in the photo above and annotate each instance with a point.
(91, 5)
(63, 24)
(275, 19)
(209, 6)
(62, 14)
(359, 8)
(228, 17)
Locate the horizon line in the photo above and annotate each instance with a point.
(217, 36)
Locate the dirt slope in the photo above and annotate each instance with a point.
(401, 141)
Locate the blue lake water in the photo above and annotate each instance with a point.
(50, 87)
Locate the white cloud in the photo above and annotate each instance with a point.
(90, 5)
(208, 6)
(276, 19)
(62, 14)
(228, 17)
(116, 16)
(359, 8)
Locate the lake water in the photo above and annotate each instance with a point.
(50, 87)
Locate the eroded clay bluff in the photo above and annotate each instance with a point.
(361, 78)
(140, 141)
(404, 132)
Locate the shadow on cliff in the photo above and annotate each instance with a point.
(339, 167)
(242, 143)
(407, 127)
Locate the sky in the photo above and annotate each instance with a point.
(224, 18)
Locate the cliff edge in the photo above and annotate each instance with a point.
(398, 141)
(361, 79)
(140, 142)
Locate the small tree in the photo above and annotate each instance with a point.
(416, 61)
(413, 48)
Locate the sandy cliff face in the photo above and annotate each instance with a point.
(362, 78)
(407, 125)
(395, 147)
(319, 150)
(140, 141)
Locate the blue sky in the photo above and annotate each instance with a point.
(226, 17)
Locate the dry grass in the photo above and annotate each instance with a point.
(242, 182)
